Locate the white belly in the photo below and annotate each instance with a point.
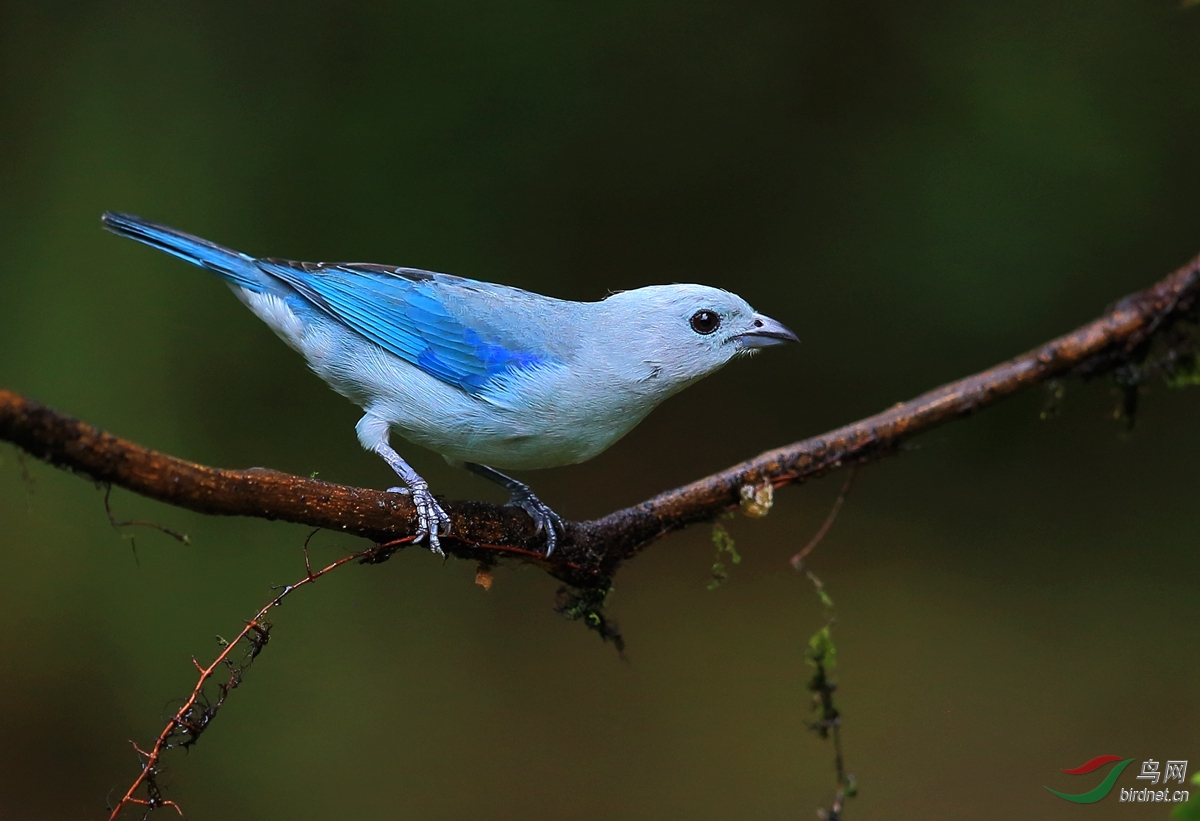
(545, 419)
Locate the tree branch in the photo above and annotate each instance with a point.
(1121, 338)
(197, 711)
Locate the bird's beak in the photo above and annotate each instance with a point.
(766, 332)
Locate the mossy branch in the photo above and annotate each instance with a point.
(1119, 340)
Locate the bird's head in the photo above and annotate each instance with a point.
(690, 331)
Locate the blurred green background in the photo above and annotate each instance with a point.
(919, 189)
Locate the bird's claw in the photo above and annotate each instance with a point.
(543, 516)
(432, 521)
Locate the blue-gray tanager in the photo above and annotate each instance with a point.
(484, 374)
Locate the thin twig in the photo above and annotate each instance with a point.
(820, 656)
(183, 723)
(798, 560)
(182, 538)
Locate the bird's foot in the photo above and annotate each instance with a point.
(547, 520)
(432, 521)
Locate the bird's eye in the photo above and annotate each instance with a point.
(705, 322)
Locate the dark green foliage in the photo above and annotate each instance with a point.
(1173, 357)
(725, 545)
(1055, 392)
(821, 655)
(1190, 809)
(586, 604)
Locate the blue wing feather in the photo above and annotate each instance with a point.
(402, 311)
(231, 265)
(399, 309)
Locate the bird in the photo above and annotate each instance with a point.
(487, 375)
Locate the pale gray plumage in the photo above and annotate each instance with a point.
(486, 375)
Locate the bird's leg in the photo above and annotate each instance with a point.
(432, 521)
(521, 496)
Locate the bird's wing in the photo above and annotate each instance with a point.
(404, 311)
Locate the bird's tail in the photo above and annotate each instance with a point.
(235, 267)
